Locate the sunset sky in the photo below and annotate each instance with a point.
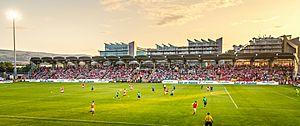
(83, 26)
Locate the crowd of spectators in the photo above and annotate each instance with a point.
(224, 72)
(70, 72)
(119, 73)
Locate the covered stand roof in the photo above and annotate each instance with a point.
(169, 57)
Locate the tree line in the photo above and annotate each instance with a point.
(9, 67)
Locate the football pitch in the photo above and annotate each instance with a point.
(231, 105)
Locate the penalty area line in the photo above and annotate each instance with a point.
(74, 120)
(284, 95)
(231, 98)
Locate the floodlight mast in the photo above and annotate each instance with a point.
(12, 15)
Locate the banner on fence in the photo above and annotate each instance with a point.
(6, 81)
(217, 82)
(68, 80)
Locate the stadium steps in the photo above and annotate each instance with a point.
(105, 75)
(150, 76)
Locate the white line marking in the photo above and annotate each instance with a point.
(74, 120)
(284, 95)
(231, 98)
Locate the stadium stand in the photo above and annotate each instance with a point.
(122, 73)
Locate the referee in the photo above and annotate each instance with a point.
(208, 120)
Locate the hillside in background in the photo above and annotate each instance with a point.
(23, 57)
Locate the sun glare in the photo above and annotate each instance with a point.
(12, 14)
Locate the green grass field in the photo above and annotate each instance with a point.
(42, 104)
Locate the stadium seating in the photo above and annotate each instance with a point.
(122, 73)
